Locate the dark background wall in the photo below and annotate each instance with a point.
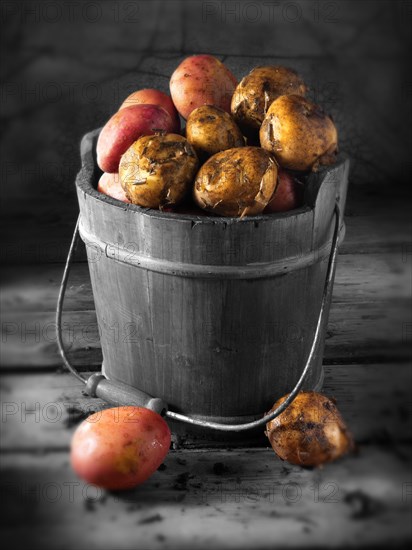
(67, 65)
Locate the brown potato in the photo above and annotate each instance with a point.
(236, 182)
(158, 170)
(310, 432)
(299, 134)
(256, 91)
(211, 130)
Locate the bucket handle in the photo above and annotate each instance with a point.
(117, 393)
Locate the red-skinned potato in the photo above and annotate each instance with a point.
(288, 194)
(120, 448)
(110, 185)
(124, 128)
(201, 80)
(154, 97)
(186, 209)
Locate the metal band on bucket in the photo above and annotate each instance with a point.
(250, 271)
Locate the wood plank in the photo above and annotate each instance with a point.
(377, 220)
(29, 340)
(36, 288)
(359, 278)
(369, 318)
(371, 225)
(371, 331)
(373, 399)
(213, 499)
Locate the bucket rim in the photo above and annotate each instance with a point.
(90, 171)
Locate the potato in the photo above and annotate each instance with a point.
(201, 80)
(154, 97)
(288, 194)
(236, 182)
(110, 185)
(299, 134)
(124, 128)
(211, 130)
(119, 448)
(158, 170)
(310, 432)
(256, 91)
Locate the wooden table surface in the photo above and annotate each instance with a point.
(242, 497)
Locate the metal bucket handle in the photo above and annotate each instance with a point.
(117, 393)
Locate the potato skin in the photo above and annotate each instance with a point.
(299, 134)
(158, 170)
(288, 194)
(310, 432)
(256, 91)
(152, 96)
(201, 80)
(125, 127)
(236, 182)
(109, 184)
(120, 448)
(211, 130)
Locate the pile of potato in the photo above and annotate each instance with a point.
(240, 154)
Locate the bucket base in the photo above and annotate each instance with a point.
(188, 436)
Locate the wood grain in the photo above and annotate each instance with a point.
(373, 400)
(342, 52)
(194, 294)
(220, 499)
(372, 226)
(357, 331)
(359, 278)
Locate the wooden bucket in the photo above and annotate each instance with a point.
(214, 315)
